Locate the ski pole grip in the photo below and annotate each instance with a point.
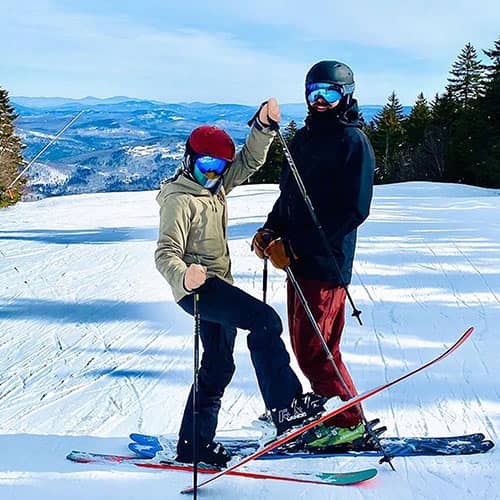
(254, 117)
(267, 238)
(273, 125)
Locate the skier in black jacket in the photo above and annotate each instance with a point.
(336, 162)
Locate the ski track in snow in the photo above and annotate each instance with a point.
(92, 346)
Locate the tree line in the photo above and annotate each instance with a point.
(11, 158)
(453, 138)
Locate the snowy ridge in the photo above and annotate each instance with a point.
(94, 145)
(164, 152)
(92, 346)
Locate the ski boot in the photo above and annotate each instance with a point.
(211, 454)
(326, 437)
(302, 409)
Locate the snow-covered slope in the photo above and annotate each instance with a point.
(92, 346)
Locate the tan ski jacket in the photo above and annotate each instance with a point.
(193, 221)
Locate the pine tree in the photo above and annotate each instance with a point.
(467, 85)
(388, 138)
(489, 108)
(466, 82)
(439, 135)
(418, 121)
(271, 170)
(417, 126)
(11, 147)
(493, 69)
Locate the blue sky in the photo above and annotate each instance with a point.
(234, 51)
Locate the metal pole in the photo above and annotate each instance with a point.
(54, 139)
(264, 281)
(264, 292)
(196, 367)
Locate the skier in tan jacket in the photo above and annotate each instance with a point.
(193, 255)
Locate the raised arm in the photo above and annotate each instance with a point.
(254, 153)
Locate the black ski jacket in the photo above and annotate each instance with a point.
(336, 162)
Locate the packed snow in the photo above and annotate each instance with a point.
(92, 346)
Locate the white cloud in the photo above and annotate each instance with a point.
(50, 51)
(426, 27)
(114, 55)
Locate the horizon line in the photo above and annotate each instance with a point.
(157, 101)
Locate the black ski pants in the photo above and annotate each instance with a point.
(224, 308)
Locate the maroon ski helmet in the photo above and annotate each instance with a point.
(211, 141)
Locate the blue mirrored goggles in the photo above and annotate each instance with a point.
(203, 180)
(328, 91)
(210, 167)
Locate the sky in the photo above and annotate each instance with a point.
(230, 51)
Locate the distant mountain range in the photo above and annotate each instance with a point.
(120, 143)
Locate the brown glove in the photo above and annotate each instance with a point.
(260, 241)
(279, 253)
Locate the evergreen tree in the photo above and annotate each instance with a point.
(271, 170)
(10, 152)
(493, 69)
(388, 137)
(489, 107)
(439, 135)
(418, 121)
(417, 127)
(466, 81)
(455, 139)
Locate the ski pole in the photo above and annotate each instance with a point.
(267, 240)
(326, 349)
(40, 153)
(264, 281)
(196, 367)
(264, 289)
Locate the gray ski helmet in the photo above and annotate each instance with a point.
(332, 72)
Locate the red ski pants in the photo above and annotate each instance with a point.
(327, 303)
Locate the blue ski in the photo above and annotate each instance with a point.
(147, 446)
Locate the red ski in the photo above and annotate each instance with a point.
(325, 478)
(357, 399)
